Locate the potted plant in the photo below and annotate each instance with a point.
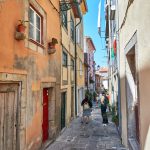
(115, 119)
(19, 34)
(21, 26)
(51, 46)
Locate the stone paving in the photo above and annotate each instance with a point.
(91, 136)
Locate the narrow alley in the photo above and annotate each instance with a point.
(91, 136)
(57, 57)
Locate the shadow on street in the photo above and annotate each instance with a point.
(91, 136)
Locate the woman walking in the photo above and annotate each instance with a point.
(87, 105)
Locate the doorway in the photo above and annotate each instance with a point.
(9, 110)
(132, 95)
(45, 115)
(72, 102)
(63, 110)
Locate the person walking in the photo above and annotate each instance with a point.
(87, 107)
(104, 103)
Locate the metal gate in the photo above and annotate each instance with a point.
(8, 116)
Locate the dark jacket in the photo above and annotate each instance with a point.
(88, 101)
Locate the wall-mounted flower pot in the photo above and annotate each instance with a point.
(51, 45)
(51, 48)
(51, 51)
(21, 28)
(19, 36)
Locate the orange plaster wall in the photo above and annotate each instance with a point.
(33, 130)
(9, 20)
(47, 66)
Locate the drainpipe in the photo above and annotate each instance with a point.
(76, 66)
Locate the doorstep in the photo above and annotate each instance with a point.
(133, 144)
(46, 144)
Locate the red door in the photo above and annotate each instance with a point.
(45, 114)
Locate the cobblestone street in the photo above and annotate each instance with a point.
(92, 136)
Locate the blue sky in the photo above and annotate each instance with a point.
(90, 29)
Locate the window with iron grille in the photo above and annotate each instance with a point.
(65, 59)
(64, 19)
(35, 26)
(72, 28)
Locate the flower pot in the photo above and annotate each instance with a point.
(51, 51)
(19, 36)
(21, 28)
(51, 45)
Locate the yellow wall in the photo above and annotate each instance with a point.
(66, 73)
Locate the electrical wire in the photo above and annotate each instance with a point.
(54, 6)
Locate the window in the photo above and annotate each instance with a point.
(72, 64)
(72, 28)
(78, 35)
(35, 22)
(64, 59)
(64, 19)
(81, 68)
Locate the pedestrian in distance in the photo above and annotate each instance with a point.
(104, 104)
(87, 108)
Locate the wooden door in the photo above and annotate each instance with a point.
(63, 110)
(45, 114)
(8, 116)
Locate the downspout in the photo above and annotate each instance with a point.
(76, 65)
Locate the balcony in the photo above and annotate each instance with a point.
(71, 4)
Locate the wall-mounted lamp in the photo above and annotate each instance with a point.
(51, 46)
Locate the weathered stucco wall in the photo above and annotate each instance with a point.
(137, 20)
(66, 72)
(17, 59)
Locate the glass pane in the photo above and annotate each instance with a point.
(38, 22)
(72, 64)
(31, 31)
(38, 36)
(64, 19)
(31, 16)
(64, 59)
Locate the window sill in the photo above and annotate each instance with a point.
(64, 66)
(36, 43)
(134, 144)
(65, 82)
